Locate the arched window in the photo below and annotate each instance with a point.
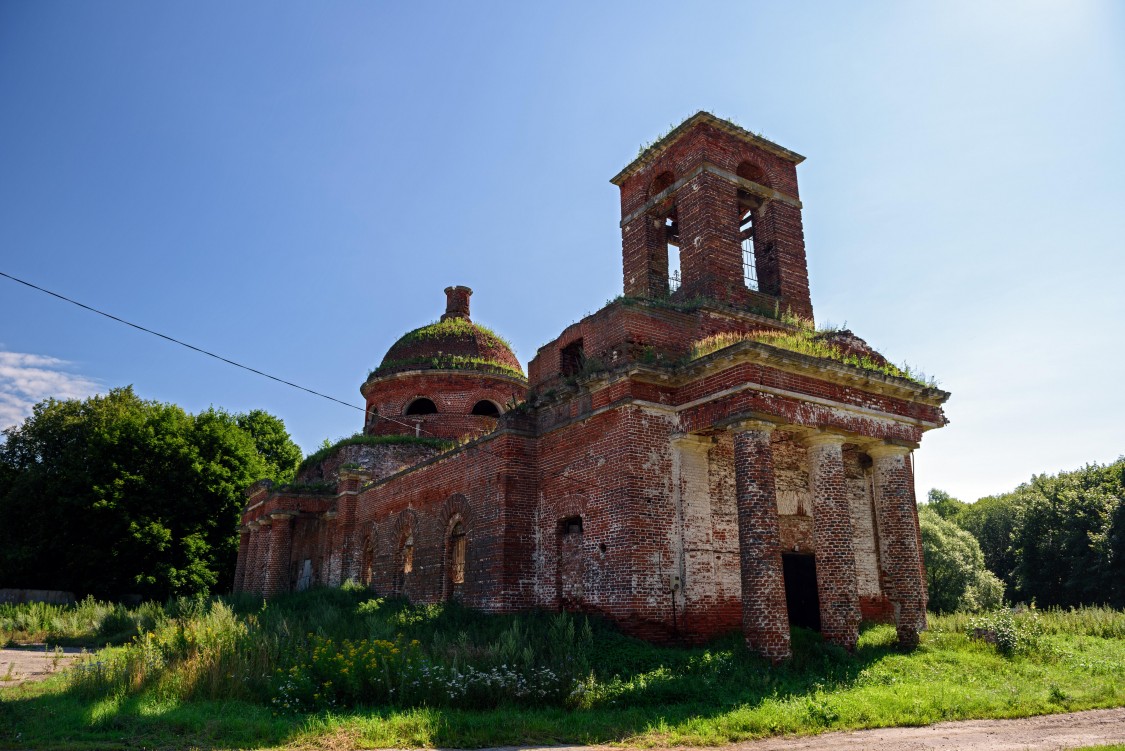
(421, 406)
(486, 408)
(408, 555)
(667, 221)
(748, 205)
(457, 545)
(368, 570)
(372, 414)
(571, 563)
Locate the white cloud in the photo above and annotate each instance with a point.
(26, 379)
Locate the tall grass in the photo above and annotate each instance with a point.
(343, 666)
(805, 340)
(88, 623)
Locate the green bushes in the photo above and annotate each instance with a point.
(207, 676)
(956, 577)
(342, 648)
(370, 440)
(89, 623)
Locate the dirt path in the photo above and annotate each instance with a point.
(33, 663)
(1049, 732)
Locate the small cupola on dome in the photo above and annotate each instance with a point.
(452, 343)
(457, 303)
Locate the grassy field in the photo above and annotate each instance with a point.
(241, 674)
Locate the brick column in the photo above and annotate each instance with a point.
(251, 580)
(262, 555)
(347, 490)
(836, 581)
(277, 563)
(896, 508)
(765, 621)
(329, 575)
(240, 564)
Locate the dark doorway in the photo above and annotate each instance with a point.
(801, 599)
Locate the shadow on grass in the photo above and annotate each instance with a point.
(640, 688)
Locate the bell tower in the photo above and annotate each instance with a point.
(711, 211)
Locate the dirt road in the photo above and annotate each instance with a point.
(33, 663)
(1046, 733)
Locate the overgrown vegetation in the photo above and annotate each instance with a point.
(956, 577)
(807, 340)
(89, 623)
(450, 362)
(115, 495)
(692, 304)
(362, 439)
(1058, 540)
(453, 328)
(344, 667)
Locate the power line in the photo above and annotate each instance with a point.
(181, 343)
(192, 347)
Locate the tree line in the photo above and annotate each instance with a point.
(1058, 540)
(116, 496)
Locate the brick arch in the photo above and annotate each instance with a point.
(663, 180)
(454, 511)
(406, 525)
(749, 168)
(570, 506)
(455, 505)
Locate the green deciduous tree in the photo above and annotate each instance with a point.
(115, 494)
(1058, 539)
(946, 506)
(956, 576)
(1066, 541)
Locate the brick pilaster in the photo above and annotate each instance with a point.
(277, 562)
(765, 621)
(240, 565)
(261, 554)
(896, 508)
(644, 243)
(347, 490)
(330, 575)
(836, 581)
(710, 251)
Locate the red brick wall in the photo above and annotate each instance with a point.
(454, 393)
(711, 256)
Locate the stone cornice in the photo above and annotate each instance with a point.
(793, 362)
(653, 152)
(463, 372)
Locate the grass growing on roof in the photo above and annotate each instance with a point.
(453, 328)
(206, 676)
(362, 439)
(807, 340)
(443, 361)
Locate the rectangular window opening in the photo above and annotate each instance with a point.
(672, 231)
(572, 358)
(749, 262)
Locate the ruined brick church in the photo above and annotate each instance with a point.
(672, 462)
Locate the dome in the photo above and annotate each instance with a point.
(454, 342)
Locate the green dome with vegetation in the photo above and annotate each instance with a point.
(455, 343)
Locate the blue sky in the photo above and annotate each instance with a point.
(293, 185)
